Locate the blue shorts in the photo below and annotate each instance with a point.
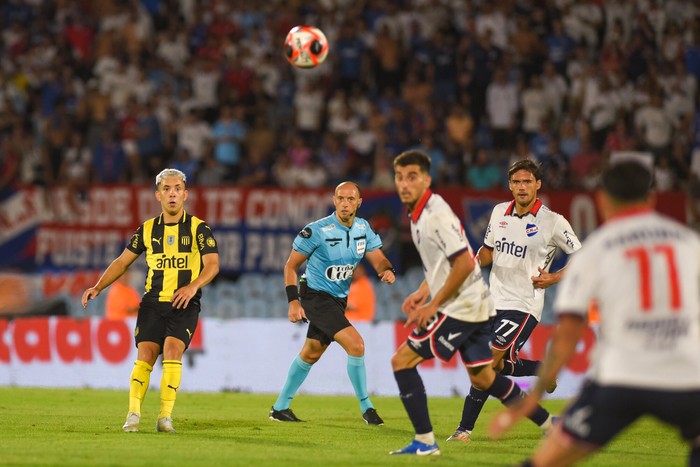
(599, 413)
(444, 336)
(510, 330)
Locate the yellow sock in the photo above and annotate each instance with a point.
(140, 377)
(169, 384)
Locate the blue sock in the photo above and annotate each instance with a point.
(412, 393)
(297, 374)
(473, 404)
(358, 378)
(508, 392)
(520, 367)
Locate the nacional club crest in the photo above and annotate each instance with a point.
(531, 230)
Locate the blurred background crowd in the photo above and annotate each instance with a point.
(112, 91)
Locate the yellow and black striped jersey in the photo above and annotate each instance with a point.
(173, 253)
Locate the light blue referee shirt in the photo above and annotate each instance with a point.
(333, 251)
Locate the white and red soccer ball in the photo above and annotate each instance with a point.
(305, 46)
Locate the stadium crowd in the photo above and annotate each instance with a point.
(112, 91)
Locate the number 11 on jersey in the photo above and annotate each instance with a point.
(643, 257)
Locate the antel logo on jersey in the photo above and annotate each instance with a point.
(502, 246)
(173, 262)
(339, 272)
(531, 229)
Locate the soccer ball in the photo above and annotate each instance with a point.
(305, 46)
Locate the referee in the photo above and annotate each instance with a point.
(331, 247)
(182, 257)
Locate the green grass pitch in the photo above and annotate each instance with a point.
(83, 427)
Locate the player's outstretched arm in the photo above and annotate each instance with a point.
(113, 272)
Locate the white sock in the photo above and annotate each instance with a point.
(427, 438)
(547, 425)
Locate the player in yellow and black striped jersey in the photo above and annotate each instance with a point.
(173, 253)
(182, 257)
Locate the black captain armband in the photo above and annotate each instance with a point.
(292, 293)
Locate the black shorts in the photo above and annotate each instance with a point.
(445, 335)
(158, 320)
(326, 315)
(599, 413)
(510, 330)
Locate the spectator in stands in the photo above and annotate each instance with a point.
(148, 139)
(10, 165)
(536, 109)
(459, 129)
(309, 106)
(521, 151)
(211, 173)
(540, 141)
(75, 169)
(603, 111)
(194, 134)
(255, 169)
(664, 177)
(350, 55)
(555, 90)
(483, 174)
(334, 157)
(585, 163)
(110, 164)
(313, 174)
(502, 109)
(185, 163)
(228, 134)
(95, 61)
(570, 137)
(654, 126)
(529, 49)
(441, 171)
(261, 137)
(620, 139)
(560, 46)
(388, 60)
(443, 67)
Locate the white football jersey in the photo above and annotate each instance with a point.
(520, 245)
(439, 235)
(643, 270)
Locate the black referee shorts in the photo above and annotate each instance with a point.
(326, 315)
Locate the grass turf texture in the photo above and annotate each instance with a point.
(83, 427)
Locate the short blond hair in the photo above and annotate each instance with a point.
(170, 173)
